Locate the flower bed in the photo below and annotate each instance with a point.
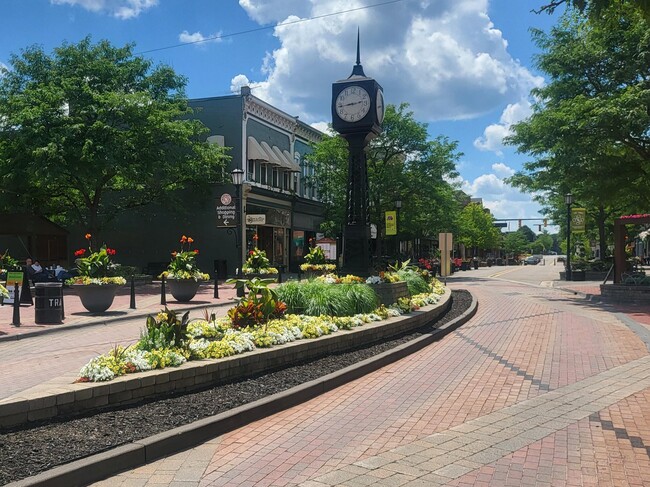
(254, 323)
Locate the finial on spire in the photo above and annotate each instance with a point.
(357, 70)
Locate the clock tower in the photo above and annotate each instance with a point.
(357, 114)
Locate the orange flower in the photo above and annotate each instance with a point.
(183, 239)
(174, 253)
(255, 237)
(190, 240)
(88, 236)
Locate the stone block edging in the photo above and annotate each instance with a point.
(103, 465)
(67, 397)
(625, 293)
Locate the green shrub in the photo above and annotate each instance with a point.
(316, 298)
(414, 281)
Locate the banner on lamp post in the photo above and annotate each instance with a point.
(578, 217)
(391, 223)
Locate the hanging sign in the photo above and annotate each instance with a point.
(578, 217)
(226, 211)
(391, 223)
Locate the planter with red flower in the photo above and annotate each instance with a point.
(315, 262)
(261, 305)
(182, 274)
(258, 265)
(95, 283)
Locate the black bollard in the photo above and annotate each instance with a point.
(163, 297)
(132, 303)
(216, 285)
(16, 317)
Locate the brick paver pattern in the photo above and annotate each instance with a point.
(540, 388)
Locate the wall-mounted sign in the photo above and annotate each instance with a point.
(226, 211)
(255, 219)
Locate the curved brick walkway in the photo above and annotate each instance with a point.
(540, 388)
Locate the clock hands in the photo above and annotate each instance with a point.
(353, 103)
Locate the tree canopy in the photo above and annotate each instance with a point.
(92, 130)
(589, 133)
(403, 164)
(476, 228)
(595, 7)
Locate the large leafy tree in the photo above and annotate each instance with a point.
(595, 7)
(403, 164)
(476, 228)
(92, 130)
(589, 132)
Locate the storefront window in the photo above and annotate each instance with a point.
(263, 174)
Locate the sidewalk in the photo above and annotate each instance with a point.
(540, 388)
(147, 301)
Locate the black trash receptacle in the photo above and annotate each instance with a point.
(49, 303)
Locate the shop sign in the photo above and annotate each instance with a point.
(255, 219)
(226, 211)
(391, 223)
(13, 278)
(578, 220)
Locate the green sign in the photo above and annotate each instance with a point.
(391, 223)
(578, 216)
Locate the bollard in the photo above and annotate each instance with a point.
(163, 297)
(16, 317)
(132, 303)
(216, 285)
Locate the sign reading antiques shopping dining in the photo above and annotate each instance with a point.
(226, 211)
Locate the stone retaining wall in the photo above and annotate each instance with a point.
(66, 397)
(625, 293)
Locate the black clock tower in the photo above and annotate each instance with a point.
(357, 114)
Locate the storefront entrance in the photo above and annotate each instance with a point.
(273, 240)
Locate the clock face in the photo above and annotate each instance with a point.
(380, 106)
(352, 104)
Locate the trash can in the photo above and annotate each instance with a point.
(49, 303)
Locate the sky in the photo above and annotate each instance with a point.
(465, 67)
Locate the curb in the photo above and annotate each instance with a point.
(132, 455)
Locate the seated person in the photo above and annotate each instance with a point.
(61, 274)
(38, 273)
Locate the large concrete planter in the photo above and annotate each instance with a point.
(183, 290)
(390, 292)
(94, 297)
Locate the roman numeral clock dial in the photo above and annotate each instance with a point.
(352, 104)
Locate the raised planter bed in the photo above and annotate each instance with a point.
(390, 292)
(625, 293)
(41, 402)
(589, 276)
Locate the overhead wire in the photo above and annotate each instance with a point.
(268, 27)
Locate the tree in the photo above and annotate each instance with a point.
(595, 7)
(589, 132)
(476, 228)
(403, 164)
(543, 242)
(528, 234)
(515, 244)
(91, 131)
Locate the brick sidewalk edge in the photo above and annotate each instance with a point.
(132, 455)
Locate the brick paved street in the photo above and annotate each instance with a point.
(542, 388)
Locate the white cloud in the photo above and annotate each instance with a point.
(445, 58)
(121, 9)
(493, 135)
(501, 170)
(198, 38)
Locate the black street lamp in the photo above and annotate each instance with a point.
(237, 180)
(398, 206)
(568, 199)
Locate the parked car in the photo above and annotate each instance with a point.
(532, 260)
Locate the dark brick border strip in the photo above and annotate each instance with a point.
(620, 433)
(132, 455)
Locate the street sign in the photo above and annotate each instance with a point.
(226, 211)
(500, 224)
(255, 219)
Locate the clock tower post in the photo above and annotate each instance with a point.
(357, 114)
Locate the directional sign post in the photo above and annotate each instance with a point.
(226, 211)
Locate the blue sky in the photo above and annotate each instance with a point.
(464, 66)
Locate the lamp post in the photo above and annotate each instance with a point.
(398, 206)
(237, 180)
(568, 199)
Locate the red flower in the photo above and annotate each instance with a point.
(255, 237)
(250, 252)
(80, 252)
(110, 251)
(196, 251)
